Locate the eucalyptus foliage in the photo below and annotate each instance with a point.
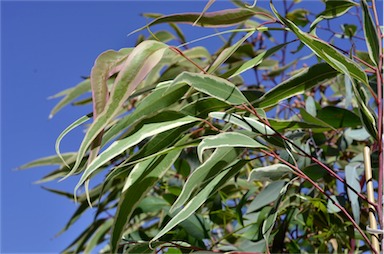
(194, 157)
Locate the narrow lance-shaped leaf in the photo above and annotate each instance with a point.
(227, 139)
(214, 86)
(246, 123)
(226, 53)
(221, 18)
(297, 84)
(324, 50)
(50, 160)
(371, 36)
(72, 126)
(163, 96)
(367, 118)
(70, 95)
(158, 124)
(269, 173)
(141, 179)
(200, 198)
(138, 64)
(254, 61)
(220, 159)
(333, 9)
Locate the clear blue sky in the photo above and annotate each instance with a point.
(46, 47)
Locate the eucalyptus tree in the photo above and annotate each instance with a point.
(256, 146)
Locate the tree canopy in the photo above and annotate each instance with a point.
(257, 146)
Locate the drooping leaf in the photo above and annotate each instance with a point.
(162, 97)
(352, 177)
(246, 123)
(200, 198)
(140, 180)
(227, 52)
(269, 173)
(222, 18)
(159, 123)
(297, 84)
(219, 160)
(98, 236)
(139, 63)
(50, 160)
(70, 95)
(226, 139)
(268, 195)
(72, 126)
(370, 34)
(216, 87)
(254, 61)
(324, 51)
(333, 9)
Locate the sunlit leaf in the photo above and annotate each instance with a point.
(214, 86)
(70, 95)
(220, 18)
(371, 36)
(227, 139)
(139, 63)
(149, 127)
(325, 51)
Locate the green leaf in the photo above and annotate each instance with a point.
(220, 18)
(219, 160)
(200, 198)
(370, 34)
(338, 117)
(50, 160)
(106, 65)
(72, 126)
(226, 139)
(269, 173)
(70, 95)
(216, 87)
(139, 63)
(159, 123)
(227, 52)
(202, 107)
(162, 97)
(140, 180)
(297, 84)
(246, 123)
(352, 177)
(333, 9)
(367, 117)
(268, 195)
(254, 61)
(324, 50)
(98, 236)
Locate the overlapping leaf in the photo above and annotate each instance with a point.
(324, 51)
(139, 63)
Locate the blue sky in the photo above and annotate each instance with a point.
(46, 47)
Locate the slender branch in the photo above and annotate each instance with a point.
(305, 177)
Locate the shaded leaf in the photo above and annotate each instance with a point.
(269, 173)
(297, 84)
(268, 195)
